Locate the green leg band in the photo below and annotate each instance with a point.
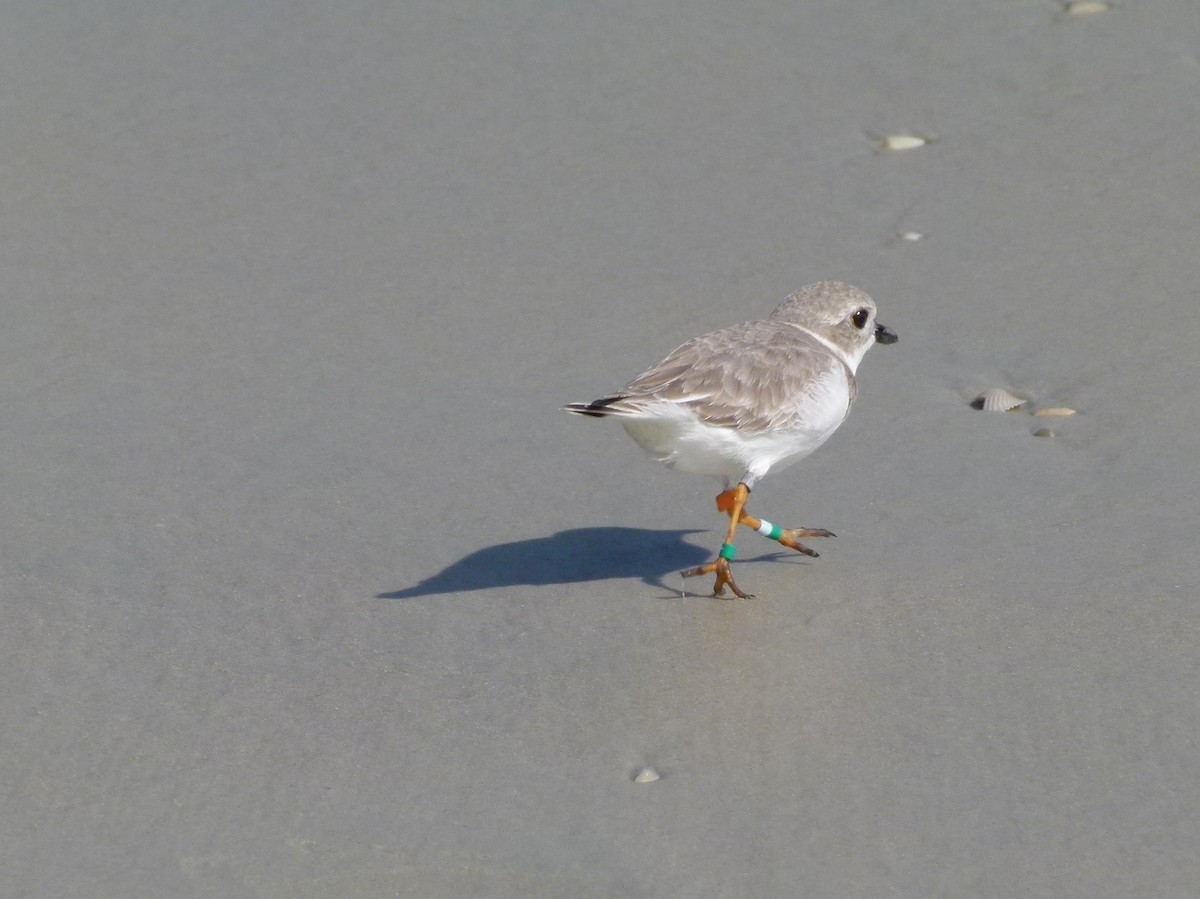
(728, 551)
(771, 531)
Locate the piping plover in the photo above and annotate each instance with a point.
(749, 399)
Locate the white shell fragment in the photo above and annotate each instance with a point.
(997, 400)
(1085, 7)
(1055, 412)
(646, 776)
(911, 235)
(904, 142)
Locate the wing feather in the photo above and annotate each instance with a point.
(758, 376)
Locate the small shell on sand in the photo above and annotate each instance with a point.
(1055, 412)
(911, 235)
(903, 142)
(646, 776)
(997, 400)
(1043, 432)
(1085, 7)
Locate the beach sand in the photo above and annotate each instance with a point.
(310, 588)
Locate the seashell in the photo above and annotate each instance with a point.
(1043, 432)
(911, 235)
(1055, 412)
(997, 400)
(903, 142)
(646, 776)
(1084, 7)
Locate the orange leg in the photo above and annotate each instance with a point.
(733, 502)
(720, 567)
(789, 537)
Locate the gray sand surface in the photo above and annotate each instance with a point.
(310, 589)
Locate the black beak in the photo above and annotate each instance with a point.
(884, 334)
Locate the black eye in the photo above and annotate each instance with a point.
(859, 318)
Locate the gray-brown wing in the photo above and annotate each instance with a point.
(758, 376)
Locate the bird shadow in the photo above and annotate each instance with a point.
(568, 557)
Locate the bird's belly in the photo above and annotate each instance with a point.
(694, 447)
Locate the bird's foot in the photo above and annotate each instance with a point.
(724, 577)
(790, 537)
